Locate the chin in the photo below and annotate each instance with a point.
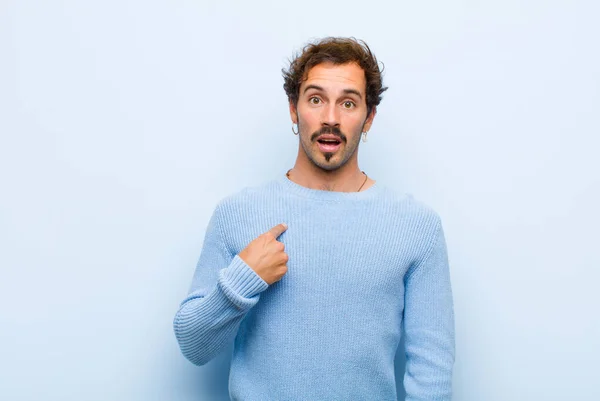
(331, 165)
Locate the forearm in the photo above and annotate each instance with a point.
(205, 324)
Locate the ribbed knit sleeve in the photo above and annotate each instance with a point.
(429, 324)
(223, 290)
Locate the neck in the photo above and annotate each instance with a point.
(340, 180)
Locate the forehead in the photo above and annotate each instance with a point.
(334, 77)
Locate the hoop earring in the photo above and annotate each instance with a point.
(364, 136)
(295, 132)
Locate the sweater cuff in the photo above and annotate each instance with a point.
(238, 280)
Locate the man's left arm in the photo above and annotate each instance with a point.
(429, 324)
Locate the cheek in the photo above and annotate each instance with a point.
(308, 117)
(354, 122)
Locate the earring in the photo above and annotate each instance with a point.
(295, 132)
(365, 136)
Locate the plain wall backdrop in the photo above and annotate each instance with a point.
(123, 123)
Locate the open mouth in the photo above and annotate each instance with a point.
(329, 145)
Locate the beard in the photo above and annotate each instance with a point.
(346, 151)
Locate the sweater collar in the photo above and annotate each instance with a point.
(319, 194)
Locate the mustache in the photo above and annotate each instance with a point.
(329, 130)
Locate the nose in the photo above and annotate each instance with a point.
(330, 115)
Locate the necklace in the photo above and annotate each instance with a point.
(366, 177)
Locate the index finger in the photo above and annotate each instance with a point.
(278, 229)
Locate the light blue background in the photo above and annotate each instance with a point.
(124, 122)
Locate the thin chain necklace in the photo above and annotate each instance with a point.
(366, 177)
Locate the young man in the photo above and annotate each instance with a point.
(315, 274)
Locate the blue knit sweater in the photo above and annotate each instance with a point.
(364, 267)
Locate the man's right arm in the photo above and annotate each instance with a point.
(223, 290)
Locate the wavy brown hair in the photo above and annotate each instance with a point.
(338, 51)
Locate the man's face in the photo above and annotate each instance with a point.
(332, 100)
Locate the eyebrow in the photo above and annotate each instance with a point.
(347, 91)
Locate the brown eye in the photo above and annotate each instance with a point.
(314, 100)
(348, 104)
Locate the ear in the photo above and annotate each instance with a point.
(293, 113)
(369, 120)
